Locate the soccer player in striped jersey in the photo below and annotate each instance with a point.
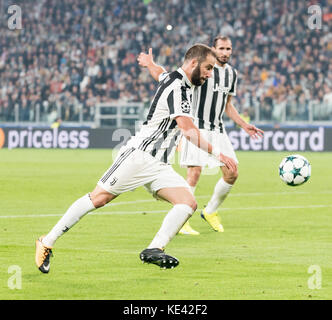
(144, 161)
(210, 102)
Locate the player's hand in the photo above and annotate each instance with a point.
(253, 132)
(228, 162)
(144, 60)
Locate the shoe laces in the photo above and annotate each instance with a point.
(47, 252)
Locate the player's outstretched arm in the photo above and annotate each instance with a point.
(192, 133)
(146, 60)
(231, 111)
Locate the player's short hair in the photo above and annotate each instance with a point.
(222, 38)
(198, 51)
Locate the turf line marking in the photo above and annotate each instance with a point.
(223, 209)
(314, 206)
(120, 203)
(254, 194)
(129, 202)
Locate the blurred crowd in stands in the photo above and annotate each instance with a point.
(71, 55)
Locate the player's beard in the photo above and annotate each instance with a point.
(222, 60)
(196, 78)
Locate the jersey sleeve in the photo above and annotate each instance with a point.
(232, 92)
(178, 103)
(162, 76)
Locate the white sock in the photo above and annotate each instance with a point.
(220, 193)
(75, 212)
(171, 225)
(192, 189)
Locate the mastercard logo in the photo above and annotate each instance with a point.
(2, 138)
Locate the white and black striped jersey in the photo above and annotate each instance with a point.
(209, 100)
(159, 134)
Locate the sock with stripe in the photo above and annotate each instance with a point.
(75, 212)
(220, 193)
(171, 225)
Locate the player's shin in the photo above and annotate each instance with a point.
(75, 212)
(171, 225)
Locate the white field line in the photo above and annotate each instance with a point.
(252, 194)
(314, 206)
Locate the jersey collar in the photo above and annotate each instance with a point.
(220, 67)
(185, 79)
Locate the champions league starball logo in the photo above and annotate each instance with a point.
(185, 106)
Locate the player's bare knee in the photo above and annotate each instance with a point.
(234, 176)
(192, 204)
(100, 199)
(231, 178)
(189, 201)
(98, 202)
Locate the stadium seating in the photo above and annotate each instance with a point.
(76, 53)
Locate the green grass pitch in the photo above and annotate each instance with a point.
(277, 238)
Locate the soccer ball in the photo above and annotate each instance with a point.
(294, 170)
